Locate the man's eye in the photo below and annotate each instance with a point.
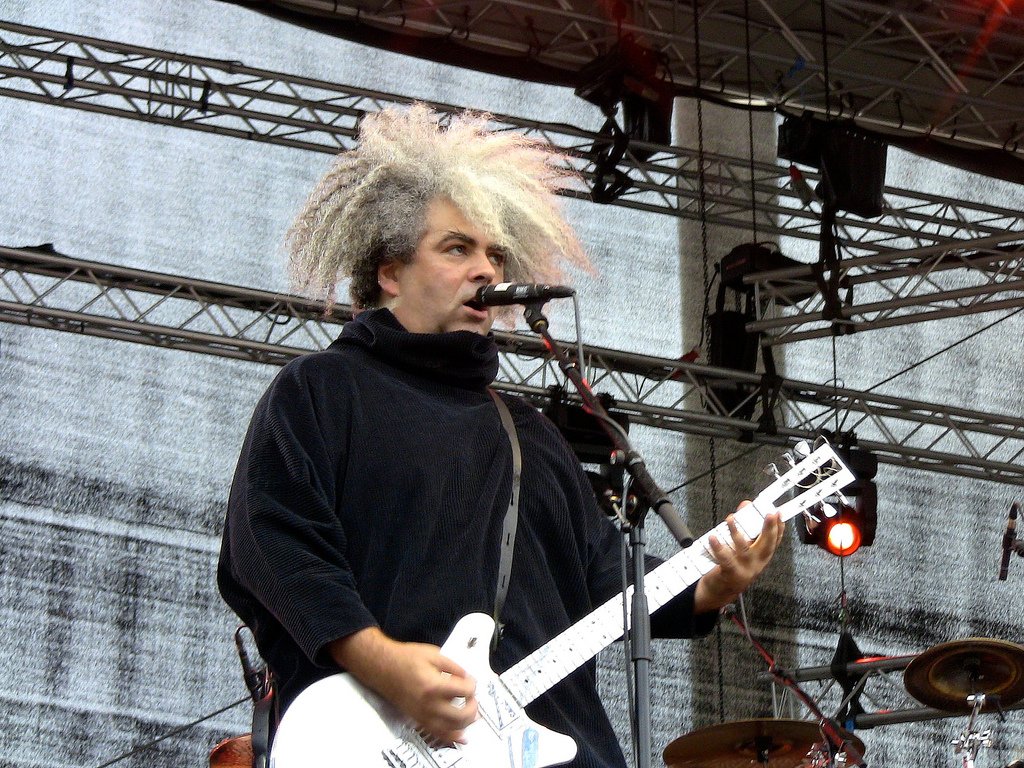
(497, 258)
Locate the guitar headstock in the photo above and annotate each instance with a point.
(814, 474)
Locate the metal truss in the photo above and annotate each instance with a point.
(231, 99)
(42, 288)
(889, 289)
(948, 69)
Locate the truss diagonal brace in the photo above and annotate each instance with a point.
(891, 289)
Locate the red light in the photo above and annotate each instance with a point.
(842, 539)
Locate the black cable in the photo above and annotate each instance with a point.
(714, 469)
(627, 651)
(835, 382)
(946, 349)
(824, 64)
(932, 356)
(175, 732)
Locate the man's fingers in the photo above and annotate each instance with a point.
(446, 664)
(455, 682)
(456, 688)
(449, 719)
(740, 541)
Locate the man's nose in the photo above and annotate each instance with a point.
(482, 269)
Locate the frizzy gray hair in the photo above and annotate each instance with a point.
(370, 206)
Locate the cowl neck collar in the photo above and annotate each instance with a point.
(463, 358)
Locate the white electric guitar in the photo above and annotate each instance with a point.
(338, 722)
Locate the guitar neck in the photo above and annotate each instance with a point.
(582, 641)
(601, 627)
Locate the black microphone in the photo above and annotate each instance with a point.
(503, 294)
(1008, 539)
(255, 679)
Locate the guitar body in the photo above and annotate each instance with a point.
(338, 722)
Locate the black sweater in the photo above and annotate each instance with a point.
(371, 490)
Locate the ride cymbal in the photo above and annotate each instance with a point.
(946, 674)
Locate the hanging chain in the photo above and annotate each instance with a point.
(750, 118)
(705, 314)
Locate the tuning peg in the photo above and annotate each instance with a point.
(772, 471)
(802, 449)
(828, 510)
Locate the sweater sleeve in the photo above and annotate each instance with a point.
(284, 544)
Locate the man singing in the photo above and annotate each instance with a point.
(368, 504)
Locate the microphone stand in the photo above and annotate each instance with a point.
(649, 496)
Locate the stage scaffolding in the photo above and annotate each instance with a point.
(42, 288)
(231, 99)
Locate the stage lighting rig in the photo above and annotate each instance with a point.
(633, 77)
(841, 526)
(851, 161)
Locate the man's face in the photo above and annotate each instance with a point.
(453, 259)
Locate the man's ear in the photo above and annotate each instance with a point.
(388, 274)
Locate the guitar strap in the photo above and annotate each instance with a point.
(508, 529)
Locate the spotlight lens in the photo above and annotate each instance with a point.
(843, 539)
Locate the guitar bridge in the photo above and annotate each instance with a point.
(419, 752)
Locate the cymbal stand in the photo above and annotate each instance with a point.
(971, 741)
(838, 751)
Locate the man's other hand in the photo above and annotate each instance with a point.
(739, 564)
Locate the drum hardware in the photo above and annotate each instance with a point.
(970, 742)
(885, 669)
(975, 675)
(830, 742)
(943, 678)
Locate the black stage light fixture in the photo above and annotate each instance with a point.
(631, 75)
(852, 163)
(843, 533)
(731, 346)
(843, 528)
(581, 429)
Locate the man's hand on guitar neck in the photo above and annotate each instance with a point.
(738, 565)
(426, 686)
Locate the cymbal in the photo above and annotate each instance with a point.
(232, 753)
(767, 743)
(946, 674)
